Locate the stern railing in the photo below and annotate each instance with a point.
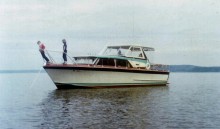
(159, 67)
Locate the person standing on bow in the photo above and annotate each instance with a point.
(41, 49)
(64, 51)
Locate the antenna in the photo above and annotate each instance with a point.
(133, 21)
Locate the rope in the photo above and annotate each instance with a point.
(36, 77)
(50, 56)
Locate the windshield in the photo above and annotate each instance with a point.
(127, 51)
(117, 50)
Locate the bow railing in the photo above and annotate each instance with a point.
(57, 57)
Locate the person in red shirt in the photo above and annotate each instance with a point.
(41, 49)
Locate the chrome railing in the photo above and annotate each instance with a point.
(159, 67)
(57, 57)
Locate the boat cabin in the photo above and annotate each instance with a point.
(128, 56)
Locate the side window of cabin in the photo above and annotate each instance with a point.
(111, 62)
(123, 63)
(107, 62)
(136, 52)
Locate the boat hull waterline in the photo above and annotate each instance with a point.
(95, 77)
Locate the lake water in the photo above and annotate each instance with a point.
(30, 100)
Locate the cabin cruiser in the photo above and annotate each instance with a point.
(115, 66)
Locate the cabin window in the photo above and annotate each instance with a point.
(111, 62)
(135, 52)
(116, 50)
(123, 63)
(107, 62)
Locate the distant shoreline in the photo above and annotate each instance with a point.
(22, 71)
(193, 68)
(172, 68)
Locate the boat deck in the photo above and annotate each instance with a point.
(100, 67)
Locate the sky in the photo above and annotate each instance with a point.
(181, 31)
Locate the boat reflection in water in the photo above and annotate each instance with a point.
(116, 66)
(102, 108)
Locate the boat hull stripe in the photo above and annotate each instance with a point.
(103, 85)
(106, 69)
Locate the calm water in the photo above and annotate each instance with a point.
(190, 101)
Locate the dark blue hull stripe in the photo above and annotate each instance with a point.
(107, 69)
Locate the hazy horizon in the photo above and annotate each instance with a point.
(182, 32)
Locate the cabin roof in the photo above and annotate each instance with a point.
(128, 46)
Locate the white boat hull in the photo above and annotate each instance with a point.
(70, 78)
